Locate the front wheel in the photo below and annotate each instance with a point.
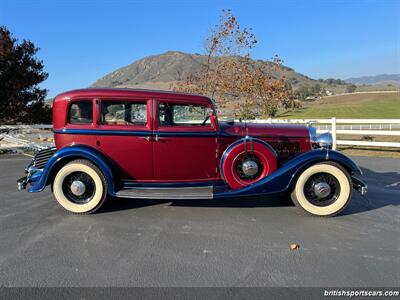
(323, 189)
(80, 187)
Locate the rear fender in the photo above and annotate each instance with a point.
(282, 179)
(66, 154)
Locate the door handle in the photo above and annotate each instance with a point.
(147, 138)
(160, 139)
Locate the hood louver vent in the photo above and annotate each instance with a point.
(286, 149)
(43, 156)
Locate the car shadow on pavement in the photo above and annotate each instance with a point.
(278, 200)
(383, 190)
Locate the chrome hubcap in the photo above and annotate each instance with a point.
(78, 188)
(322, 189)
(250, 168)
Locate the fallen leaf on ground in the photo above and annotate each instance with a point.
(294, 246)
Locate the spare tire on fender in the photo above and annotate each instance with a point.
(247, 161)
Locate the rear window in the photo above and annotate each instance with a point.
(124, 113)
(81, 112)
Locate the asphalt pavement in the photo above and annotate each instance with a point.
(230, 242)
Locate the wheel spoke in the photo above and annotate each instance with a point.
(88, 191)
(328, 183)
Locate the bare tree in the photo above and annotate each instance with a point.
(231, 77)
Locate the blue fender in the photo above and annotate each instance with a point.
(281, 179)
(79, 152)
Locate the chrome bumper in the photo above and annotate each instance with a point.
(22, 182)
(35, 168)
(360, 186)
(31, 176)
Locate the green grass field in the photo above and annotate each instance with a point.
(354, 106)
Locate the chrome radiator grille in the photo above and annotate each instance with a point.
(41, 158)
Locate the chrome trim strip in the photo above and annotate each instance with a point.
(205, 192)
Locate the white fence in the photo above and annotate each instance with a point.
(19, 137)
(20, 143)
(365, 127)
(26, 127)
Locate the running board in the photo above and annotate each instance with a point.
(200, 192)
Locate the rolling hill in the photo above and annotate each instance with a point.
(383, 79)
(163, 70)
(160, 71)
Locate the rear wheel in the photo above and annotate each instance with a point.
(323, 189)
(80, 187)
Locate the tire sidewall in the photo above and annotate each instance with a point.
(58, 192)
(345, 189)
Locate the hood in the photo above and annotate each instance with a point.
(263, 130)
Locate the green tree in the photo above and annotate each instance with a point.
(302, 93)
(315, 90)
(21, 99)
(351, 88)
(333, 81)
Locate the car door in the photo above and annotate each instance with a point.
(184, 141)
(124, 136)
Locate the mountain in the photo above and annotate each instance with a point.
(383, 79)
(160, 71)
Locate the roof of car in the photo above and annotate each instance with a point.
(126, 92)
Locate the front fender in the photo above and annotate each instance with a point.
(79, 152)
(281, 179)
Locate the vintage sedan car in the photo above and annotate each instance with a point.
(164, 145)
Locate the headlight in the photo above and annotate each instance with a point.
(324, 140)
(320, 141)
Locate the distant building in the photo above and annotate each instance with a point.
(329, 93)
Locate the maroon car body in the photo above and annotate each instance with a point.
(165, 145)
(165, 153)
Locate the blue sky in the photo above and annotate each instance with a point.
(81, 41)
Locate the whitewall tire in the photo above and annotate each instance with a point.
(80, 187)
(323, 189)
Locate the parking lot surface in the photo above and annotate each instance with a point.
(231, 242)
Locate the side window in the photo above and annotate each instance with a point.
(81, 112)
(124, 113)
(184, 115)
